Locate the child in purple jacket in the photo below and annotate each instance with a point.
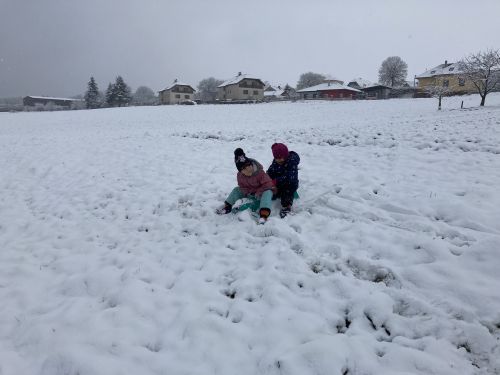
(285, 174)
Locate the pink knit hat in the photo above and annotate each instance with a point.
(280, 151)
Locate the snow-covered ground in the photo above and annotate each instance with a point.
(112, 260)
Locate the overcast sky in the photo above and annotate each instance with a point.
(52, 47)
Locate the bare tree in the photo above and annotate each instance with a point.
(438, 89)
(483, 70)
(144, 96)
(393, 71)
(208, 89)
(309, 79)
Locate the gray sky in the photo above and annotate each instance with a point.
(52, 47)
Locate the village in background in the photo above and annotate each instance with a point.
(476, 73)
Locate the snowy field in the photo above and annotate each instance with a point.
(112, 260)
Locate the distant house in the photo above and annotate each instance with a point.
(377, 91)
(445, 75)
(407, 90)
(275, 93)
(359, 83)
(40, 101)
(242, 88)
(177, 93)
(330, 89)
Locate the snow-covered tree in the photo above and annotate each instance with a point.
(118, 94)
(123, 94)
(110, 95)
(207, 89)
(393, 71)
(92, 96)
(309, 79)
(483, 70)
(438, 89)
(144, 96)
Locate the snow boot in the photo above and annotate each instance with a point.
(264, 214)
(285, 211)
(224, 210)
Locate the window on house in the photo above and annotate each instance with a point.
(255, 92)
(245, 92)
(446, 83)
(451, 69)
(186, 96)
(433, 71)
(461, 82)
(177, 96)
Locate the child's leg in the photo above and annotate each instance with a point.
(287, 196)
(265, 204)
(287, 200)
(234, 196)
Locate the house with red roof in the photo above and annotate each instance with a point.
(330, 89)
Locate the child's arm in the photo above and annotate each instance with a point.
(271, 171)
(241, 184)
(293, 159)
(289, 175)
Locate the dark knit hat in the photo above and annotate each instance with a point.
(280, 151)
(240, 159)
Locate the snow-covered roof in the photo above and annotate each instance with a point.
(276, 92)
(177, 83)
(377, 84)
(361, 82)
(330, 78)
(238, 79)
(51, 98)
(328, 86)
(440, 70)
(270, 87)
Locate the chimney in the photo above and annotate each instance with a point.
(445, 62)
(175, 80)
(239, 74)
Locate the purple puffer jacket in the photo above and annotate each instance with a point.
(257, 183)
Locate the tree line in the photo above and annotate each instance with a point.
(482, 69)
(118, 94)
